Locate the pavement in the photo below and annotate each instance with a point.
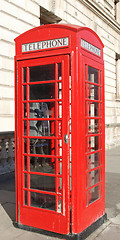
(110, 230)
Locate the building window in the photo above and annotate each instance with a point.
(117, 10)
(47, 17)
(118, 76)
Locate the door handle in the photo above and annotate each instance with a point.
(66, 138)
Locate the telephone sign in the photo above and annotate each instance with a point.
(54, 43)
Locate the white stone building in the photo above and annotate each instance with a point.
(18, 16)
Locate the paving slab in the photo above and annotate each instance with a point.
(7, 196)
(10, 233)
(112, 232)
(34, 236)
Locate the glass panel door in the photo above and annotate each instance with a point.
(45, 155)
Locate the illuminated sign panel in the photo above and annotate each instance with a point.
(88, 46)
(47, 44)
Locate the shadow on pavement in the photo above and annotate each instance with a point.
(7, 194)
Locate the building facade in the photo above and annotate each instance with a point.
(102, 16)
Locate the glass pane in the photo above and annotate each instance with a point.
(45, 183)
(60, 185)
(59, 171)
(25, 197)
(86, 108)
(24, 72)
(93, 109)
(25, 110)
(100, 110)
(24, 90)
(93, 92)
(42, 73)
(59, 71)
(93, 126)
(41, 200)
(42, 146)
(25, 163)
(59, 109)
(94, 194)
(93, 75)
(60, 90)
(43, 165)
(59, 204)
(42, 91)
(42, 110)
(93, 160)
(93, 143)
(60, 147)
(86, 90)
(42, 128)
(25, 145)
(100, 77)
(93, 177)
(25, 128)
(25, 180)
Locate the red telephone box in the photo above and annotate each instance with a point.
(60, 130)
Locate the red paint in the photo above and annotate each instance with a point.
(84, 197)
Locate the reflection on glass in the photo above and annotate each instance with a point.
(42, 91)
(59, 210)
(93, 92)
(93, 177)
(60, 185)
(41, 182)
(42, 73)
(93, 126)
(60, 147)
(59, 90)
(94, 194)
(42, 128)
(42, 109)
(93, 143)
(59, 166)
(59, 109)
(93, 74)
(41, 200)
(93, 160)
(93, 109)
(42, 146)
(43, 165)
(59, 71)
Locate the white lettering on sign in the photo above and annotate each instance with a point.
(90, 47)
(53, 43)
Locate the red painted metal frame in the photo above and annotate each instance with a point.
(82, 214)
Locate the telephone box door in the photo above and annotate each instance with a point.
(43, 143)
